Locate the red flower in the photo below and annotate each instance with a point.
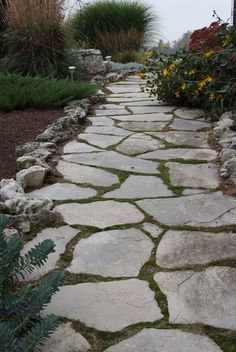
(233, 57)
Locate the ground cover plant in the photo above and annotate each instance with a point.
(115, 27)
(21, 327)
(203, 75)
(19, 92)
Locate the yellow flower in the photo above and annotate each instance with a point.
(141, 75)
(209, 53)
(183, 86)
(177, 94)
(208, 79)
(192, 72)
(171, 67)
(204, 82)
(148, 53)
(211, 96)
(226, 40)
(166, 73)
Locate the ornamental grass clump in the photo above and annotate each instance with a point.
(36, 38)
(113, 26)
(201, 76)
(22, 329)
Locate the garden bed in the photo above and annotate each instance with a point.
(18, 127)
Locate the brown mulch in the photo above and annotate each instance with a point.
(19, 127)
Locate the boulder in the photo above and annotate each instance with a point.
(92, 60)
(32, 177)
(8, 189)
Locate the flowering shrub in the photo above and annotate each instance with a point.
(201, 76)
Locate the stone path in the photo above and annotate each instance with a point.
(148, 243)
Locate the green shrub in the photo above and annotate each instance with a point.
(21, 327)
(19, 92)
(112, 20)
(203, 76)
(36, 38)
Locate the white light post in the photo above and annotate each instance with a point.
(108, 62)
(72, 71)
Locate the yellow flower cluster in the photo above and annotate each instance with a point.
(167, 71)
(192, 72)
(183, 86)
(148, 53)
(177, 94)
(226, 40)
(204, 82)
(209, 53)
(211, 96)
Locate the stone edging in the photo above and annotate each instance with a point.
(23, 210)
(224, 133)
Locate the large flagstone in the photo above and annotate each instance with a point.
(181, 153)
(101, 140)
(160, 116)
(78, 147)
(139, 143)
(151, 109)
(109, 130)
(117, 253)
(187, 113)
(86, 174)
(205, 210)
(114, 160)
(206, 297)
(191, 139)
(143, 126)
(99, 214)
(179, 249)
(165, 340)
(188, 125)
(140, 187)
(106, 306)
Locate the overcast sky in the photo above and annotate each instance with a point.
(178, 16)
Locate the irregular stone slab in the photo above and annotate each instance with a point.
(99, 214)
(140, 187)
(151, 109)
(186, 175)
(143, 126)
(86, 174)
(107, 306)
(64, 191)
(60, 236)
(110, 107)
(115, 99)
(124, 89)
(206, 210)
(111, 112)
(138, 143)
(100, 140)
(118, 253)
(181, 153)
(113, 160)
(149, 102)
(110, 130)
(206, 297)
(152, 229)
(187, 125)
(192, 139)
(101, 121)
(165, 340)
(179, 249)
(65, 339)
(186, 113)
(145, 117)
(136, 95)
(77, 147)
(189, 191)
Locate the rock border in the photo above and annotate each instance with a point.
(224, 134)
(35, 159)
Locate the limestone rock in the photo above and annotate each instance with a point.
(60, 236)
(206, 297)
(186, 113)
(32, 177)
(117, 253)
(179, 249)
(222, 125)
(138, 143)
(151, 109)
(77, 147)
(109, 130)
(186, 138)
(9, 189)
(92, 60)
(65, 339)
(165, 340)
(188, 125)
(107, 306)
(99, 214)
(181, 153)
(101, 140)
(157, 117)
(152, 229)
(143, 126)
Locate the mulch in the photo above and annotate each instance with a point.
(19, 127)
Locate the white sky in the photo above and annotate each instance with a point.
(178, 16)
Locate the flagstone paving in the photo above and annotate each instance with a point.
(148, 244)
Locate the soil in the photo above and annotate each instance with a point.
(19, 127)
